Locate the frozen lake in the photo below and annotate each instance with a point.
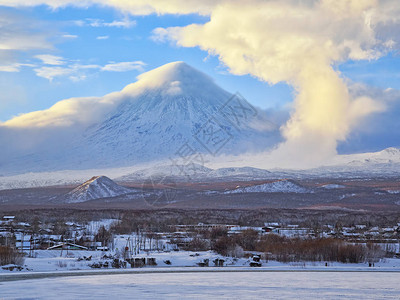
(206, 285)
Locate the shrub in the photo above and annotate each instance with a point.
(9, 255)
(295, 249)
(236, 252)
(247, 239)
(224, 245)
(198, 244)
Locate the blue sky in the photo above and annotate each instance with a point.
(101, 45)
(49, 54)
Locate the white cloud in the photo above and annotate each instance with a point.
(16, 37)
(79, 72)
(66, 113)
(160, 35)
(51, 72)
(79, 23)
(75, 111)
(75, 72)
(15, 67)
(134, 7)
(124, 66)
(70, 36)
(10, 68)
(49, 59)
(102, 37)
(124, 23)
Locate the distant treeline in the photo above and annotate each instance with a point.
(159, 219)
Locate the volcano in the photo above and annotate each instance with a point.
(169, 113)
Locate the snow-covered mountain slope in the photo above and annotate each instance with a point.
(280, 186)
(206, 172)
(244, 172)
(196, 172)
(362, 165)
(387, 156)
(170, 112)
(368, 167)
(179, 172)
(381, 163)
(96, 188)
(179, 115)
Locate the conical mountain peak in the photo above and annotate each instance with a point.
(175, 71)
(173, 78)
(96, 187)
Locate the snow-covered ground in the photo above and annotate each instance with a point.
(281, 186)
(54, 273)
(57, 260)
(210, 285)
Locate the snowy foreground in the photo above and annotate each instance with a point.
(62, 261)
(211, 285)
(51, 274)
